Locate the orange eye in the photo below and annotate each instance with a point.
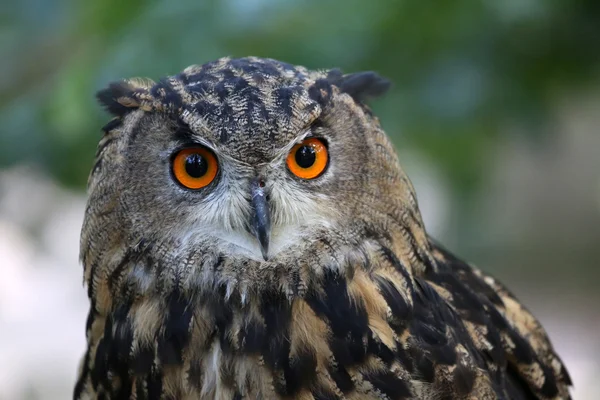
(308, 159)
(195, 167)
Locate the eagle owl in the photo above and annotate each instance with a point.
(250, 234)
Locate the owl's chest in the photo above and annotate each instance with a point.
(314, 347)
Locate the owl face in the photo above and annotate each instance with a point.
(256, 157)
(183, 185)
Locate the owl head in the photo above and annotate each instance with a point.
(233, 168)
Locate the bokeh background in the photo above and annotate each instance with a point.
(495, 113)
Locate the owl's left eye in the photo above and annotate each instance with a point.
(195, 167)
(308, 159)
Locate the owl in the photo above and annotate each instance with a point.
(249, 234)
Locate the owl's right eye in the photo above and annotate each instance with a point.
(195, 167)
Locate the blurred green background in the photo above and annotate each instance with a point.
(493, 111)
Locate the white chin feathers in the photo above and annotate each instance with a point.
(243, 244)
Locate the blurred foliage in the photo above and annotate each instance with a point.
(463, 69)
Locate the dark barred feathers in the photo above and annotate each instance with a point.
(333, 291)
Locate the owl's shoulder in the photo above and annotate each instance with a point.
(487, 322)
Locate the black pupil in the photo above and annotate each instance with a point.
(196, 165)
(306, 156)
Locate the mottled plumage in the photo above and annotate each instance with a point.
(354, 301)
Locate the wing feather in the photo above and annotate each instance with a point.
(524, 359)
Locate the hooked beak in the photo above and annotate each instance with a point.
(261, 219)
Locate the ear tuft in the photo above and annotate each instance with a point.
(121, 97)
(363, 85)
